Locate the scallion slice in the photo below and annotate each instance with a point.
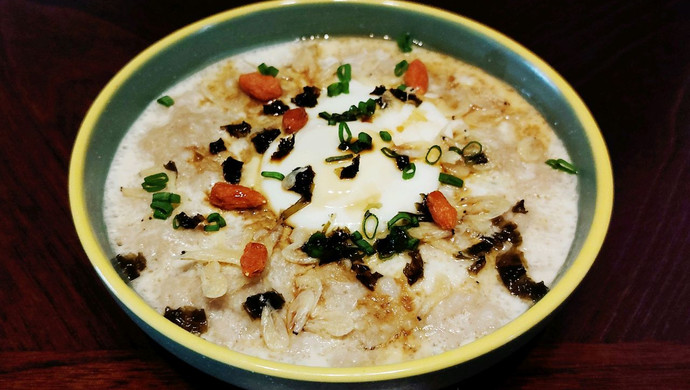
(562, 165)
(165, 101)
(168, 197)
(215, 222)
(450, 180)
(161, 210)
(343, 129)
(409, 220)
(369, 216)
(472, 149)
(401, 68)
(388, 152)
(409, 171)
(344, 73)
(340, 158)
(267, 70)
(433, 151)
(362, 244)
(405, 43)
(155, 182)
(386, 136)
(273, 175)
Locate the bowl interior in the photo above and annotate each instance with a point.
(158, 68)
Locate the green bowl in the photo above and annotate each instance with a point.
(192, 48)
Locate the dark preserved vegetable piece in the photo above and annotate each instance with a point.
(304, 182)
(232, 170)
(519, 207)
(477, 159)
(275, 108)
(364, 275)
(402, 161)
(514, 276)
(382, 103)
(413, 98)
(477, 265)
(334, 247)
(308, 98)
(482, 247)
(131, 264)
(170, 165)
(238, 130)
(404, 96)
(189, 318)
(351, 170)
(378, 91)
(397, 240)
(284, 147)
(399, 94)
(414, 270)
(216, 147)
(186, 222)
(423, 213)
(255, 304)
(508, 233)
(264, 138)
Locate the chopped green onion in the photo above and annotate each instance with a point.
(162, 210)
(410, 220)
(212, 228)
(405, 43)
(364, 139)
(216, 221)
(156, 178)
(471, 149)
(409, 171)
(152, 187)
(562, 165)
(342, 129)
(155, 182)
(362, 243)
(365, 222)
(340, 158)
(159, 214)
(456, 150)
(168, 197)
(402, 87)
(401, 68)
(388, 152)
(273, 175)
(433, 161)
(386, 136)
(334, 89)
(268, 70)
(165, 101)
(344, 73)
(450, 180)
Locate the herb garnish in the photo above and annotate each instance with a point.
(562, 165)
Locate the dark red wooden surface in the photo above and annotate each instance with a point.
(627, 326)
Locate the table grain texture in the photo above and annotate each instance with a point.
(626, 326)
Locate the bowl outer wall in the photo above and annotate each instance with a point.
(190, 49)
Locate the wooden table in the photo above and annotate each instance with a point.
(627, 326)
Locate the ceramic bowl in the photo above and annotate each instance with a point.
(192, 48)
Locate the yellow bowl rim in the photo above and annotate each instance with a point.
(558, 294)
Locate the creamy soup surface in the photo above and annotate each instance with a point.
(412, 212)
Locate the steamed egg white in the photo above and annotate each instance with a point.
(378, 186)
